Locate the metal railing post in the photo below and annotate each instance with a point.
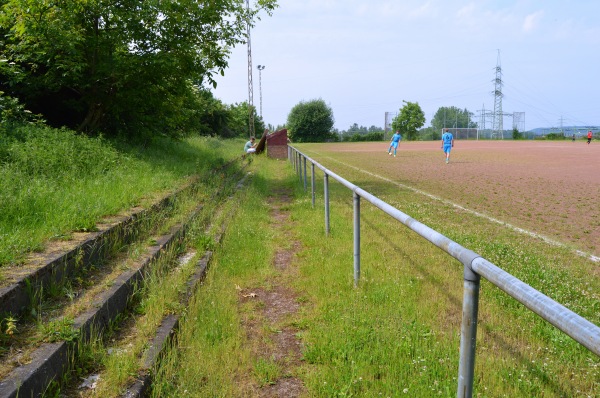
(304, 157)
(356, 238)
(312, 182)
(468, 333)
(326, 195)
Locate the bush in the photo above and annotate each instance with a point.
(11, 111)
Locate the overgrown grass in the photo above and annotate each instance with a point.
(211, 357)
(160, 296)
(397, 333)
(54, 182)
(54, 318)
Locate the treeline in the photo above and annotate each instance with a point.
(357, 133)
(127, 68)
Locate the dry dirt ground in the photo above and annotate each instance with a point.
(269, 327)
(546, 187)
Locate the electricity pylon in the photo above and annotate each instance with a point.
(497, 125)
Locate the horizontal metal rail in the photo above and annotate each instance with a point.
(580, 329)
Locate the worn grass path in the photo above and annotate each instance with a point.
(244, 319)
(269, 310)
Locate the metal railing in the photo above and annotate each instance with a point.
(475, 267)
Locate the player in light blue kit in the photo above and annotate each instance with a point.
(447, 143)
(394, 143)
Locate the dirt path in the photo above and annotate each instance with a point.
(269, 325)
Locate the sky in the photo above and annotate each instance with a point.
(364, 58)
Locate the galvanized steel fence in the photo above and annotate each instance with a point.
(475, 267)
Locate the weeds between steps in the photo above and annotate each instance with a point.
(66, 322)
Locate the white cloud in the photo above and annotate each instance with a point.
(424, 10)
(532, 21)
(466, 12)
(394, 10)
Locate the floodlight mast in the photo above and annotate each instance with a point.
(260, 69)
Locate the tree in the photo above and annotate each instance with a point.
(409, 120)
(124, 65)
(213, 115)
(452, 117)
(238, 123)
(310, 121)
(429, 134)
(516, 134)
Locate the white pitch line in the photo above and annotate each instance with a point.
(476, 213)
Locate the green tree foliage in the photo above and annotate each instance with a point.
(238, 123)
(429, 134)
(212, 114)
(356, 129)
(125, 65)
(516, 134)
(310, 121)
(409, 120)
(451, 116)
(13, 112)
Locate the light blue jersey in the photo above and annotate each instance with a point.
(395, 140)
(447, 138)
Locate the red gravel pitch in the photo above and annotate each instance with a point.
(549, 188)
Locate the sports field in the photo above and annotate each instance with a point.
(549, 189)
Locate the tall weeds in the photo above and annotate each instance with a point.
(55, 181)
